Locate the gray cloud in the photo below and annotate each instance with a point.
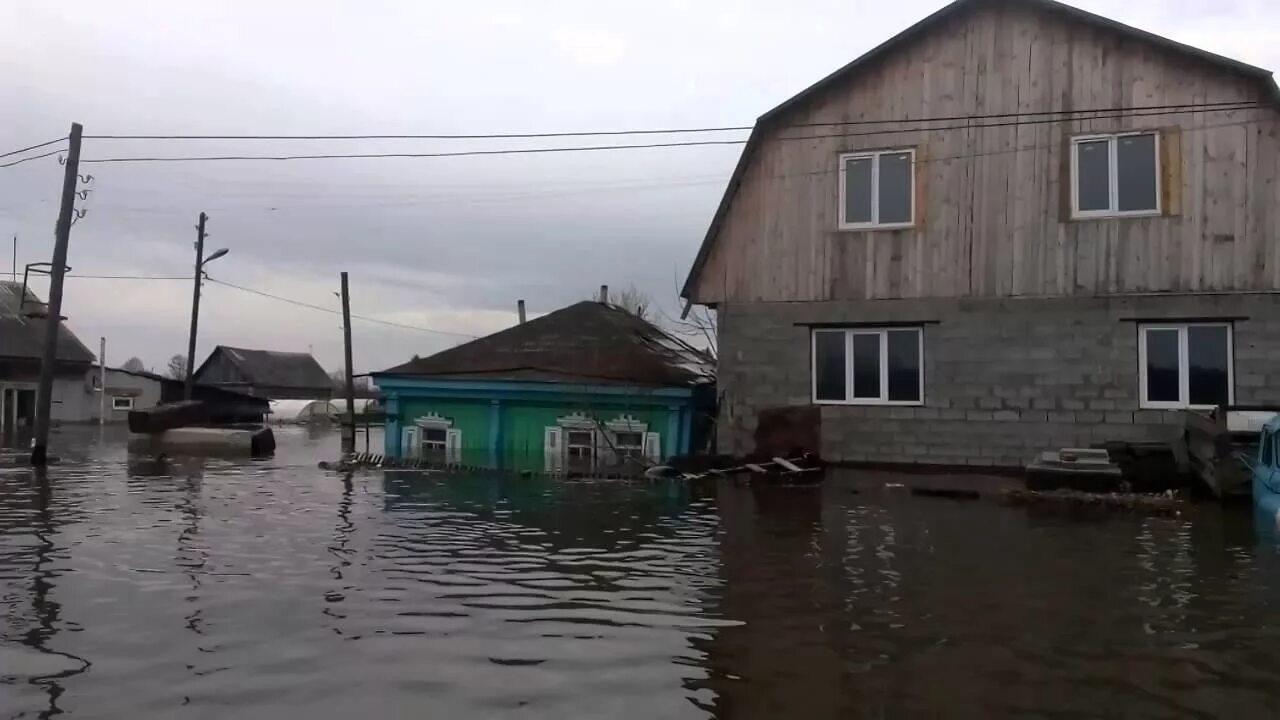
(447, 242)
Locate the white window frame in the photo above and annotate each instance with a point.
(115, 402)
(1184, 375)
(1113, 177)
(427, 445)
(875, 224)
(849, 334)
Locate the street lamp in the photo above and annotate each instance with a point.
(201, 261)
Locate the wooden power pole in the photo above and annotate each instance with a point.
(349, 422)
(189, 380)
(49, 358)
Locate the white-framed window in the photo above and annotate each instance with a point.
(1115, 175)
(868, 366)
(628, 443)
(877, 189)
(580, 445)
(432, 437)
(121, 402)
(1185, 365)
(435, 441)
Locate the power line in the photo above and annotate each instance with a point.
(331, 311)
(462, 153)
(33, 147)
(33, 157)
(1097, 115)
(129, 277)
(1021, 123)
(658, 131)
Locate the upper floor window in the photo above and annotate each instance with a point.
(877, 189)
(1184, 365)
(870, 366)
(1114, 175)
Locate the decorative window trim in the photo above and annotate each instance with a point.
(1184, 374)
(849, 334)
(434, 420)
(121, 402)
(1113, 174)
(577, 421)
(626, 423)
(874, 156)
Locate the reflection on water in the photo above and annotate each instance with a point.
(141, 587)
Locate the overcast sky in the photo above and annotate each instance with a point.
(445, 243)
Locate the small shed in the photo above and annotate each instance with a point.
(270, 374)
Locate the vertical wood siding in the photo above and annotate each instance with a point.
(993, 204)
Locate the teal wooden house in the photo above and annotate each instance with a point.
(577, 390)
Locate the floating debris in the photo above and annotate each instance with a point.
(1168, 503)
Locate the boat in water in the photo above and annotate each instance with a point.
(1266, 473)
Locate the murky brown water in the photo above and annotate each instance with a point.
(214, 589)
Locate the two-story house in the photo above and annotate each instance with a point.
(1014, 226)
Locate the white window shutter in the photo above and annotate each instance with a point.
(453, 446)
(409, 447)
(652, 447)
(553, 449)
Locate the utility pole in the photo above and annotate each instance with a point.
(62, 236)
(349, 424)
(102, 381)
(195, 309)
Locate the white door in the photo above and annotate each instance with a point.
(553, 449)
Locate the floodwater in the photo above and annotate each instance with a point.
(136, 588)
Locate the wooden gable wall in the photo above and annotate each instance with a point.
(992, 220)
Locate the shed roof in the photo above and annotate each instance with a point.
(774, 116)
(271, 368)
(23, 337)
(588, 341)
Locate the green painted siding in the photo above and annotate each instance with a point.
(469, 416)
(523, 424)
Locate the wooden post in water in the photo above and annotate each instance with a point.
(49, 358)
(102, 381)
(348, 423)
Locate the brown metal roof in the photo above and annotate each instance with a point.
(775, 115)
(23, 337)
(588, 341)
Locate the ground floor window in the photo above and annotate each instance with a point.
(121, 402)
(580, 446)
(1183, 365)
(628, 444)
(432, 438)
(580, 442)
(871, 366)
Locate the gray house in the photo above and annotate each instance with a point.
(1015, 225)
(265, 373)
(22, 332)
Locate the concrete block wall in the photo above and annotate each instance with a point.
(1004, 378)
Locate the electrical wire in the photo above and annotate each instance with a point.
(366, 156)
(331, 311)
(33, 157)
(660, 131)
(1098, 115)
(33, 147)
(128, 277)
